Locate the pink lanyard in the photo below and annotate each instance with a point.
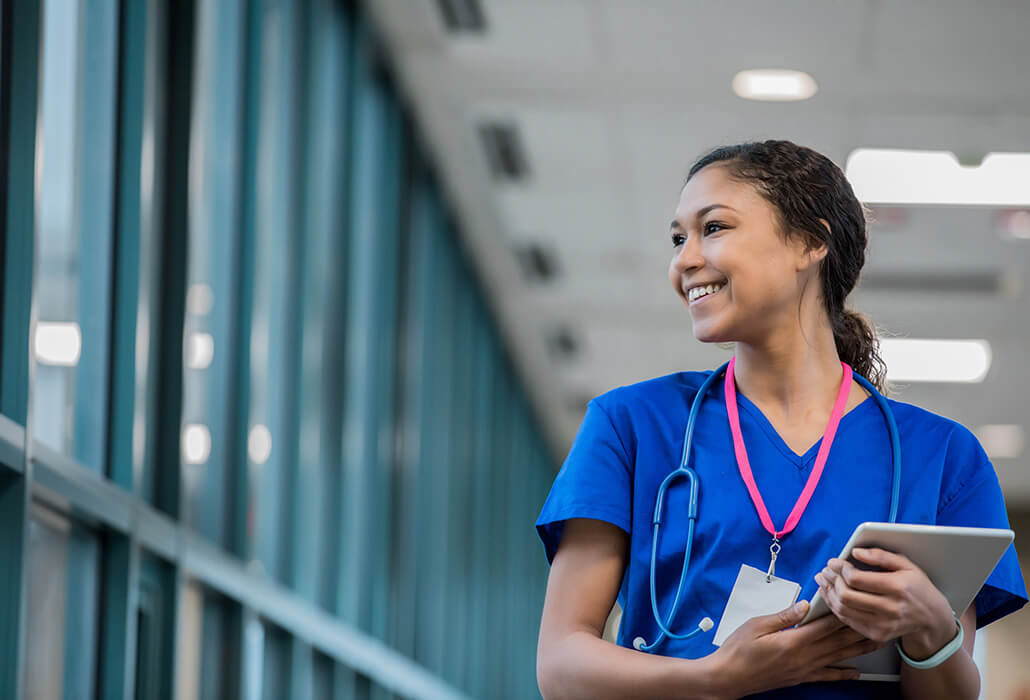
(817, 470)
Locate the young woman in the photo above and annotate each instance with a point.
(768, 241)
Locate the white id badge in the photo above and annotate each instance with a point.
(752, 596)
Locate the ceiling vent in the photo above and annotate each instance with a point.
(504, 153)
(462, 16)
(562, 344)
(577, 403)
(984, 282)
(539, 265)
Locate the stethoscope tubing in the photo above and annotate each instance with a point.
(684, 471)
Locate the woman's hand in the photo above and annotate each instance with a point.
(768, 652)
(899, 601)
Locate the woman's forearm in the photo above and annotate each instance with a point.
(582, 665)
(957, 678)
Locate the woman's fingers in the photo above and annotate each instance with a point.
(877, 582)
(850, 651)
(819, 629)
(882, 558)
(788, 617)
(840, 593)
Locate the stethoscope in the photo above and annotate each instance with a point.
(684, 471)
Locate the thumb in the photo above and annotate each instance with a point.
(788, 617)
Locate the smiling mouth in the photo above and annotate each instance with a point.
(698, 294)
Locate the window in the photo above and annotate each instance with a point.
(63, 598)
(74, 227)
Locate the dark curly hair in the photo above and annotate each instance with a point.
(805, 186)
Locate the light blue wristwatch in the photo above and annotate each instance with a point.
(941, 656)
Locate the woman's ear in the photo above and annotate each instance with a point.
(810, 250)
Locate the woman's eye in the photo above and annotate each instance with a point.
(677, 240)
(713, 223)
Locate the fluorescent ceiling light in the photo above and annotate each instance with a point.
(774, 85)
(916, 360)
(1002, 441)
(58, 344)
(889, 176)
(196, 444)
(200, 350)
(259, 444)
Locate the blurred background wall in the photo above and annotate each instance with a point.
(302, 302)
(261, 434)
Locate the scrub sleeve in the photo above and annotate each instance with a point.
(971, 497)
(595, 480)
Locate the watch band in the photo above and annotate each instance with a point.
(942, 655)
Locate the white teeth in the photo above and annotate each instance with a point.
(698, 292)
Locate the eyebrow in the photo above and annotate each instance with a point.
(701, 212)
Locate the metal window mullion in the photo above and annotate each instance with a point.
(502, 513)
(459, 521)
(513, 532)
(526, 616)
(370, 372)
(298, 487)
(19, 102)
(174, 171)
(412, 504)
(335, 184)
(431, 541)
(120, 555)
(483, 470)
(386, 376)
(95, 140)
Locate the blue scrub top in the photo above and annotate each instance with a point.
(632, 437)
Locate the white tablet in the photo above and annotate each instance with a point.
(957, 559)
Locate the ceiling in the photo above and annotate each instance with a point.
(613, 99)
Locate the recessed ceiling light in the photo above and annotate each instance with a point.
(196, 443)
(893, 176)
(925, 360)
(199, 299)
(1002, 441)
(259, 444)
(1014, 223)
(774, 85)
(58, 343)
(200, 350)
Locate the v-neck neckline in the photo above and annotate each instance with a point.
(801, 461)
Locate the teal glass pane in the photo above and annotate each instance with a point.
(275, 672)
(322, 677)
(212, 270)
(321, 303)
(273, 419)
(47, 601)
(155, 628)
(63, 584)
(209, 648)
(75, 225)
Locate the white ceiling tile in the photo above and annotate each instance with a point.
(615, 98)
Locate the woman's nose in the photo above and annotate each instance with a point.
(689, 256)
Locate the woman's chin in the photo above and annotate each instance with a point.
(704, 332)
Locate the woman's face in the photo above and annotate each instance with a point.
(726, 234)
